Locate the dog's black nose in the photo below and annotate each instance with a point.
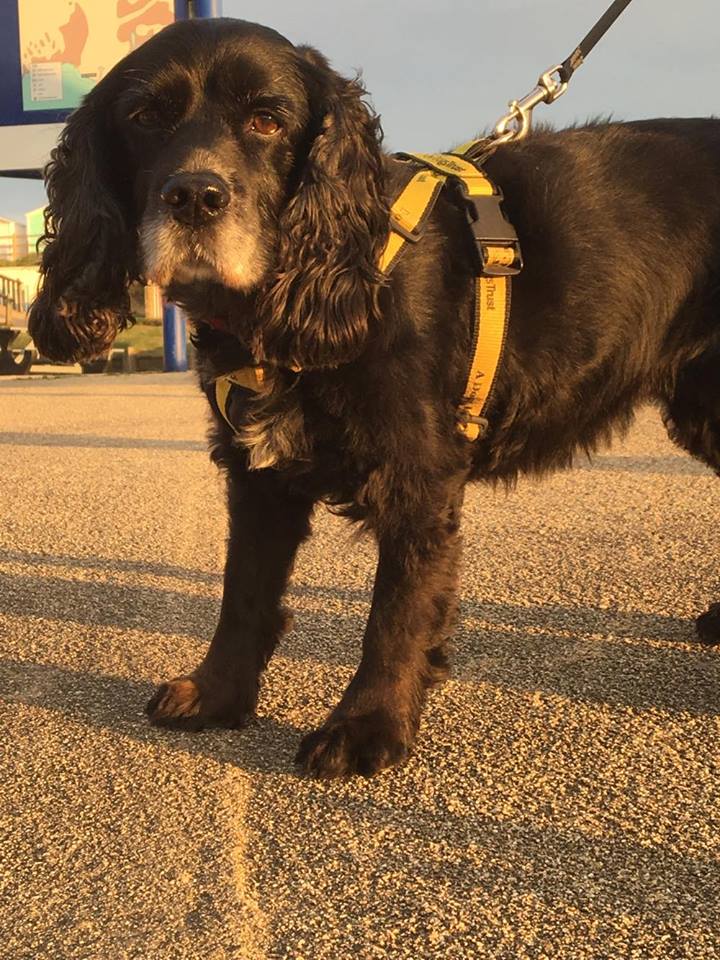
(195, 198)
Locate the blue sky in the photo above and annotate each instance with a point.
(438, 72)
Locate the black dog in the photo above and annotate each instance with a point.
(246, 176)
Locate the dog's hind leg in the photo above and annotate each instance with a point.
(692, 418)
(267, 524)
(375, 723)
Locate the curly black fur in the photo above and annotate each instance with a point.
(88, 244)
(618, 304)
(324, 297)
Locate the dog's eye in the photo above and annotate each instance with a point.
(264, 123)
(147, 117)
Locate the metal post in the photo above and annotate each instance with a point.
(174, 339)
(153, 302)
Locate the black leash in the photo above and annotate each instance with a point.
(577, 57)
(552, 84)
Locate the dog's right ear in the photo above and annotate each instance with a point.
(89, 251)
(324, 299)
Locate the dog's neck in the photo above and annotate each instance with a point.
(231, 311)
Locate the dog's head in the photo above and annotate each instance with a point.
(217, 153)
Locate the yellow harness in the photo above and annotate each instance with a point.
(499, 260)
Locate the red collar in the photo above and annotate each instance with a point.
(217, 324)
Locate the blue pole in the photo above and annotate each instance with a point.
(174, 339)
(191, 9)
(174, 327)
(206, 8)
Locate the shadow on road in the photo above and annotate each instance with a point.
(110, 564)
(662, 466)
(580, 653)
(88, 440)
(109, 604)
(92, 391)
(116, 704)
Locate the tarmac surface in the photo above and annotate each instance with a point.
(564, 797)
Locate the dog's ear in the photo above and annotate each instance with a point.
(323, 300)
(89, 249)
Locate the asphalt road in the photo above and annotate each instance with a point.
(564, 798)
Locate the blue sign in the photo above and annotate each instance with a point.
(52, 52)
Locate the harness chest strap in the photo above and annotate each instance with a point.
(500, 259)
(249, 378)
(492, 312)
(409, 214)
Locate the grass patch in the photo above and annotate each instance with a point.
(143, 338)
(20, 341)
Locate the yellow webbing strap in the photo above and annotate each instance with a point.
(250, 378)
(476, 182)
(492, 297)
(480, 150)
(465, 148)
(408, 214)
(492, 311)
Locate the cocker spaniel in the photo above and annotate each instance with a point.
(246, 177)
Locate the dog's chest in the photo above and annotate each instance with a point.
(279, 419)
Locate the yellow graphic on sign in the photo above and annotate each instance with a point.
(67, 46)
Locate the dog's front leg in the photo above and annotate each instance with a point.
(375, 723)
(267, 524)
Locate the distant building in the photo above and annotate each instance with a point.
(13, 240)
(35, 227)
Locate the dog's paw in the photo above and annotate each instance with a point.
(708, 625)
(181, 703)
(353, 745)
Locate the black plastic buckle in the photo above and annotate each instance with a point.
(490, 228)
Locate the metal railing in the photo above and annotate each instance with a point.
(12, 293)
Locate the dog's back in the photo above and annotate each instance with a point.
(619, 300)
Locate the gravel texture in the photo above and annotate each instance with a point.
(564, 797)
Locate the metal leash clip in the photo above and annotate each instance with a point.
(516, 124)
(551, 85)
